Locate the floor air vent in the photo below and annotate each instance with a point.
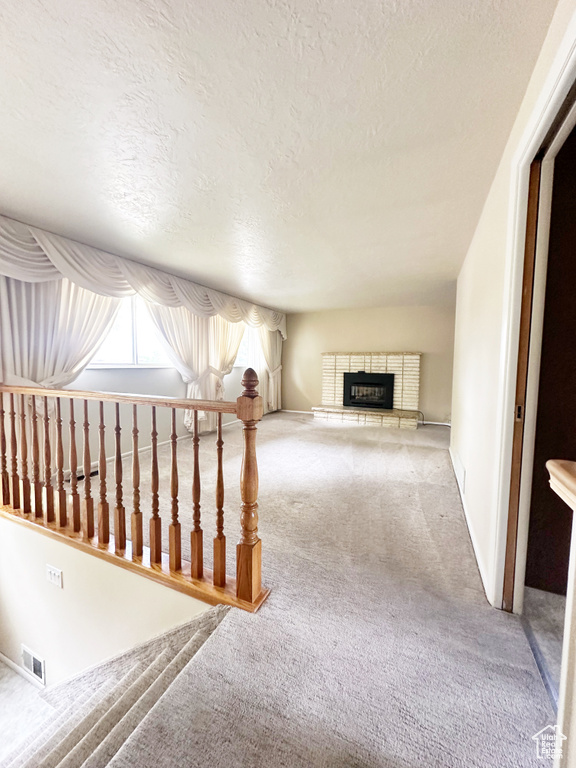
(33, 665)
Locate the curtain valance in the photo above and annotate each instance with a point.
(34, 256)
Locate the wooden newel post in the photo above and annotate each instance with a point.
(249, 548)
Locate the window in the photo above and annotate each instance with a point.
(133, 341)
(243, 356)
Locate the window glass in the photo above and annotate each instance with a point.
(133, 339)
(149, 347)
(244, 351)
(117, 348)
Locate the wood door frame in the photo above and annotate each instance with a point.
(521, 383)
(561, 125)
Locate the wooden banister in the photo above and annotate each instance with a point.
(36, 483)
(215, 406)
(14, 478)
(137, 527)
(103, 506)
(60, 490)
(48, 489)
(220, 539)
(88, 504)
(119, 511)
(174, 531)
(155, 522)
(74, 496)
(249, 548)
(40, 487)
(196, 549)
(5, 485)
(24, 479)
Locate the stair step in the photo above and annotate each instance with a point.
(104, 705)
(21, 753)
(86, 746)
(70, 732)
(65, 693)
(124, 729)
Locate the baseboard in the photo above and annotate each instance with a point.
(287, 410)
(486, 583)
(22, 672)
(95, 465)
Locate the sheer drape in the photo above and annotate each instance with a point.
(256, 360)
(53, 322)
(33, 255)
(225, 340)
(203, 349)
(271, 346)
(49, 331)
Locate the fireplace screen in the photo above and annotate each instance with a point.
(369, 390)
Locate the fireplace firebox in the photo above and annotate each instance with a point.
(369, 390)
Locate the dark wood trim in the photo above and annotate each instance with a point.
(521, 382)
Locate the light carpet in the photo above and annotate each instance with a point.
(21, 709)
(377, 646)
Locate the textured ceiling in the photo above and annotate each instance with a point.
(305, 154)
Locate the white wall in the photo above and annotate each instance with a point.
(429, 330)
(482, 408)
(101, 611)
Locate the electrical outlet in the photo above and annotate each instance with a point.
(54, 576)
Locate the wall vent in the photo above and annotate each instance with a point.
(33, 665)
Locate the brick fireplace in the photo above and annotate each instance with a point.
(406, 369)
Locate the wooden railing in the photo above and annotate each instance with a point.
(40, 488)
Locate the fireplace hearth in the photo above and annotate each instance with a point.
(369, 390)
(405, 366)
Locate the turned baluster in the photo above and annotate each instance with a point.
(196, 548)
(174, 533)
(219, 575)
(137, 535)
(103, 506)
(249, 548)
(25, 480)
(60, 490)
(48, 489)
(155, 521)
(119, 511)
(74, 495)
(5, 482)
(38, 510)
(14, 477)
(88, 505)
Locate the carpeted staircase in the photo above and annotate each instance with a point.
(96, 712)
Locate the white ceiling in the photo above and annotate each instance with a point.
(305, 154)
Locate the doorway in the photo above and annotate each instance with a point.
(540, 523)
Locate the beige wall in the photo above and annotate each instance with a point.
(484, 284)
(429, 330)
(101, 611)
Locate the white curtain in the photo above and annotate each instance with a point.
(33, 255)
(224, 342)
(268, 387)
(203, 349)
(49, 331)
(271, 346)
